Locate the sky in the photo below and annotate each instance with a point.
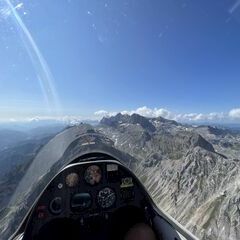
(172, 58)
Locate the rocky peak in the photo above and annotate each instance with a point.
(115, 121)
(164, 120)
(198, 140)
(144, 122)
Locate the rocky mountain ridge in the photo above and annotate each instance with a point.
(186, 169)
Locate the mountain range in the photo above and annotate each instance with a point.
(192, 172)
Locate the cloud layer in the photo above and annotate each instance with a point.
(232, 115)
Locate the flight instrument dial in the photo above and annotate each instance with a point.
(72, 179)
(106, 198)
(93, 175)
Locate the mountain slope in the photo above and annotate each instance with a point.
(185, 175)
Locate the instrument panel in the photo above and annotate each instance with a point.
(85, 192)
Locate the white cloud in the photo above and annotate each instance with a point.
(148, 112)
(182, 117)
(231, 116)
(65, 119)
(101, 113)
(214, 116)
(144, 111)
(234, 113)
(190, 117)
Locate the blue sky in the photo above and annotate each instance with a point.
(179, 56)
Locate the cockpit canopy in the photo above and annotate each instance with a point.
(77, 142)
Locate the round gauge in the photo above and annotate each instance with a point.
(106, 197)
(56, 205)
(72, 179)
(93, 175)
